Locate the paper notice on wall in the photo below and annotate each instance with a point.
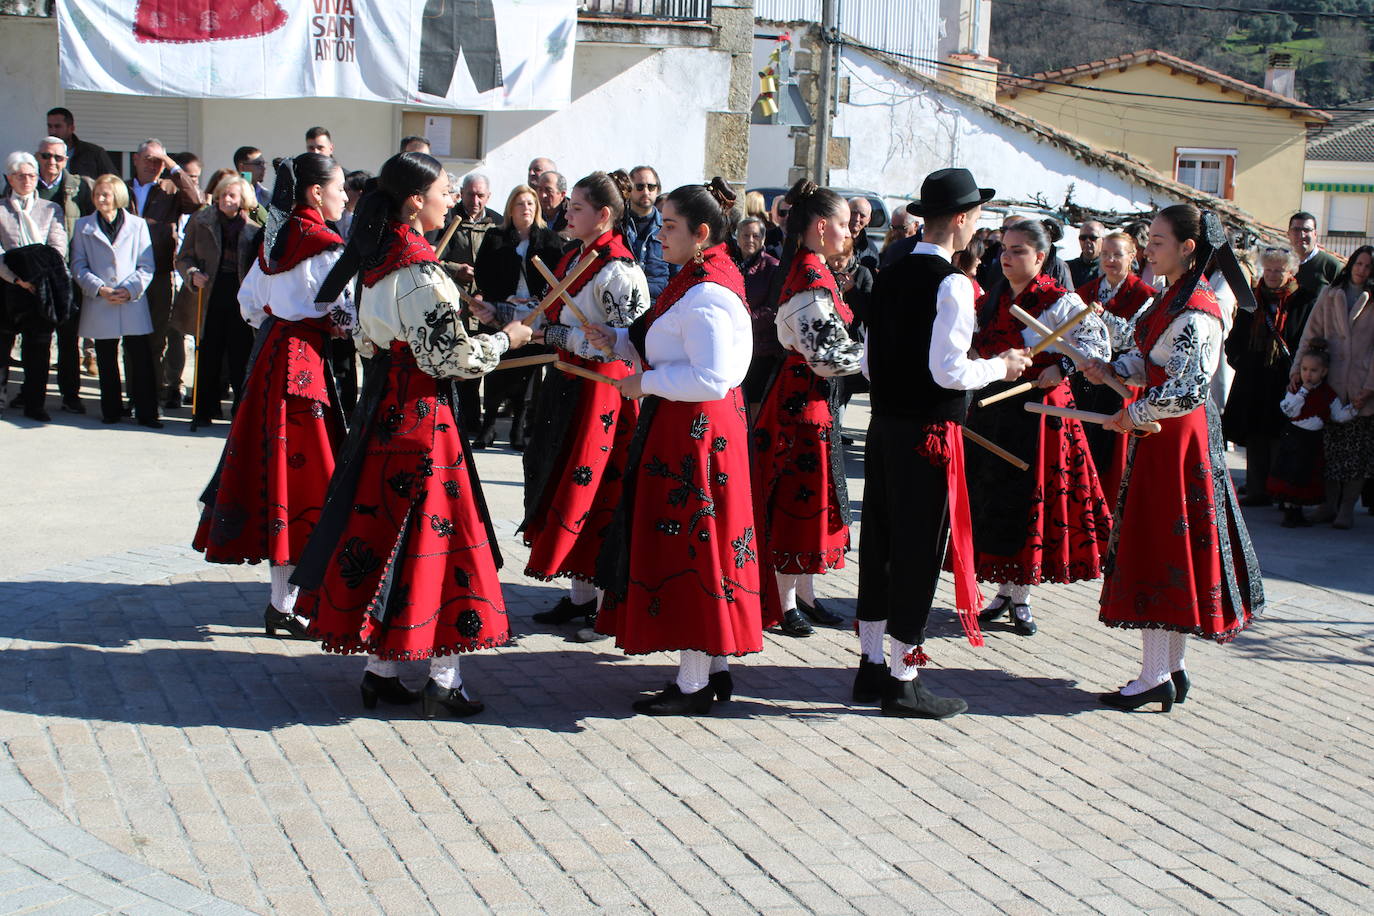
(439, 131)
(476, 54)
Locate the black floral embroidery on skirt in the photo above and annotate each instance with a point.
(721, 478)
(608, 420)
(462, 577)
(655, 608)
(442, 526)
(804, 493)
(401, 482)
(582, 475)
(316, 410)
(470, 624)
(278, 525)
(452, 488)
(296, 461)
(699, 426)
(302, 379)
(357, 561)
(422, 408)
(669, 526)
(744, 553)
(808, 461)
(427, 466)
(362, 509)
(718, 444)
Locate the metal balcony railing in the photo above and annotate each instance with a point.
(671, 10)
(1343, 244)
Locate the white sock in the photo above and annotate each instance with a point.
(1177, 644)
(381, 667)
(900, 652)
(871, 633)
(580, 592)
(806, 590)
(693, 671)
(1154, 665)
(443, 671)
(283, 592)
(720, 663)
(787, 591)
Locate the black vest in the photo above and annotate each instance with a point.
(902, 317)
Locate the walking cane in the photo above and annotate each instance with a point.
(195, 367)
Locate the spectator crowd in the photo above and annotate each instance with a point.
(112, 276)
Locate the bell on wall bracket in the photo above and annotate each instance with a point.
(780, 100)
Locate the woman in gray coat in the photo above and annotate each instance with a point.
(112, 262)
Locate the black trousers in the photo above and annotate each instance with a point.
(343, 362)
(226, 339)
(905, 529)
(138, 358)
(35, 349)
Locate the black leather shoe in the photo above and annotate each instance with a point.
(794, 624)
(153, 423)
(387, 689)
(818, 614)
(1025, 626)
(722, 685)
(1000, 606)
(274, 620)
(673, 702)
(911, 700)
(1181, 685)
(439, 702)
(173, 401)
(870, 681)
(38, 413)
(73, 405)
(1164, 695)
(486, 437)
(566, 612)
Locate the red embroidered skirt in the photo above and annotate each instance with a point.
(1053, 527)
(693, 560)
(413, 573)
(1181, 557)
(270, 486)
(580, 496)
(806, 528)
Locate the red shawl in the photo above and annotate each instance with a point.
(609, 246)
(716, 267)
(307, 235)
(809, 271)
(1129, 298)
(402, 246)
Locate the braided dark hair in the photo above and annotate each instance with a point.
(706, 204)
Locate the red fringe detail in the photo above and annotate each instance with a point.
(916, 658)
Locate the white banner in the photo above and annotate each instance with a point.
(475, 54)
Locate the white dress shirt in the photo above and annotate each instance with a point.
(290, 295)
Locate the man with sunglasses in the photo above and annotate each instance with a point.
(58, 184)
(642, 222)
(1085, 267)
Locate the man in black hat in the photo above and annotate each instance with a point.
(921, 328)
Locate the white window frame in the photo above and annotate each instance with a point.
(1197, 157)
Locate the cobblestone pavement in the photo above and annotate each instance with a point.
(159, 754)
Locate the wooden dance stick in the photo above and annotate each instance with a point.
(567, 300)
(1086, 416)
(521, 362)
(559, 288)
(1011, 392)
(440, 248)
(587, 374)
(1077, 355)
(996, 449)
(1054, 336)
(1048, 341)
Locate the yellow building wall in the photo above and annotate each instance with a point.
(1270, 145)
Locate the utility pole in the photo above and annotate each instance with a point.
(826, 73)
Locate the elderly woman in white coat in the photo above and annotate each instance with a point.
(112, 262)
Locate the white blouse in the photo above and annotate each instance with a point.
(809, 324)
(699, 348)
(616, 296)
(290, 296)
(1189, 350)
(1121, 330)
(418, 304)
(1089, 336)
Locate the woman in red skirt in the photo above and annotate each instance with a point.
(403, 562)
(574, 464)
(682, 560)
(1118, 297)
(266, 495)
(1181, 560)
(799, 472)
(1050, 523)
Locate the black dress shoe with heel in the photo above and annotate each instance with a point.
(386, 689)
(274, 620)
(794, 624)
(440, 702)
(818, 614)
(870, 681)
(1163, 694)
(1181, 685)
(566, 612)
(1024, 626)
(1000, 606)
(671, 701)
(911, 700)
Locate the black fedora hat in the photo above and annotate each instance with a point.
(949, 191)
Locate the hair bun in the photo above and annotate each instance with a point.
(800, 191)
(622, 182)
(720, 189)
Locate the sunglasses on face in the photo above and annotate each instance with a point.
(55, 156)
(645, 186)
(1089, 238)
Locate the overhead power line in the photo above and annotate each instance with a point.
(1252, 11)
